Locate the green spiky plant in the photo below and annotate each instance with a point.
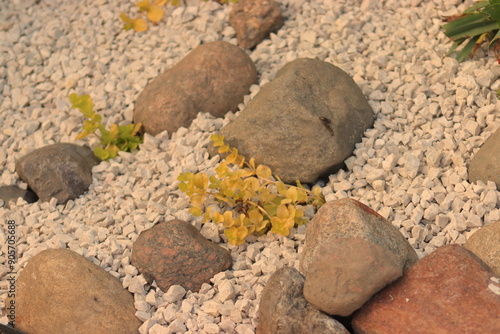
(477, 24)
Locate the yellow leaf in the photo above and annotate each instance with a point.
(222, 170)
(195, 211)
(197, 200)
(282, 211)
(251, 163)
(140, 25)
(236, 235)
(137, 127)
(160, 2)
(200, 180)
(155, 14)
(143, 5)
(291, 193)
(83, 134)
(264, 172)
(252, 183)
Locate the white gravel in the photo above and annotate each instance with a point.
(433, 114)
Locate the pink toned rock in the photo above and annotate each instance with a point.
(175, 253)
(347, 218)
(61, 292)
(348, 273)
(283, 309)
(254, 20)
(212, 78)
(448, 291)
(485, 243)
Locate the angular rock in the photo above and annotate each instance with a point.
(485, 164)
(175, 253)
(60, 291)
(12, 193)
(212, 78)
(348, 218)
(62, 170)
(304, 123)
(283, 309)
(485, 243)
(449, 291)
(254, 20)
(348, 273)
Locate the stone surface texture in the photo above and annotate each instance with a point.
(485, 243)
(448, 291)
(305, 122)
(254, 20)
(61, 292)
(348, 273)
(175, 253)
(212, 78)
(62, 170)
(485, 164)
(348, 218)
(283, 309)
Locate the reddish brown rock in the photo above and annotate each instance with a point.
(254, 20)
(348, 218)
(283, 309)
(485, 243)
(175, 253)
(448, 291)
(348, 273)
(61, 292)
(212, 78)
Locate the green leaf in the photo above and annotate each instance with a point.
(467, 50)
(472, 29)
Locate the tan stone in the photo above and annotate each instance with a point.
(485, 243)
(347, 273)
(212, 78)
(485, 164)
(61, 292)
(448, 291)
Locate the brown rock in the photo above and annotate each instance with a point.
(283, 309)
(485, 243)
(175, 253)
(448, 291)
(304, 123)
(212, 78)
(348, 272)
(485, 164)
(62, 170)
(61, 292)
(254, 20)
(348, 218)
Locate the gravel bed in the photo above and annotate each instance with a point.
(433, 114)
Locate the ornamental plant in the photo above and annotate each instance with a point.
(117, 138)
(256, 201)
(477, 24)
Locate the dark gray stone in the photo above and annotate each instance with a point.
(62, 170)
(254, 20)
(304, 123)
(212, 78)
(9, 330)
(175, 253)
(12, 193)
(485, 164)
(283, 309)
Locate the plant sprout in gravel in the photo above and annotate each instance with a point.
(259, 202)
(477, 24)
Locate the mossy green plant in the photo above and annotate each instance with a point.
(256, 201)
(117, 138)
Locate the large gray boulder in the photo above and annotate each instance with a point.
(304, 123)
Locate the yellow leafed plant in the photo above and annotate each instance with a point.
(258, 202)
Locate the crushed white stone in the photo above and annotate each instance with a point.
(433, 114)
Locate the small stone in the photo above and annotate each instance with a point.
(254, 20)
(163, 251)
(63, 171)
(226, 291)
(174, 293)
